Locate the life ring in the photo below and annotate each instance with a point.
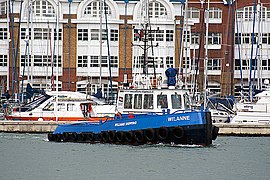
(162, 133)
(178, 132)
(129, 136)
(120, 136)
(214, 132)
(138, 136)
(149, 134)
(104, 136)
(111, 137)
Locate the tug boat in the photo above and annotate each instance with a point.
(146, 116)
(148, 111)
(63, 106)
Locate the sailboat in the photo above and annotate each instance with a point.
(147, 113)
(256, 110)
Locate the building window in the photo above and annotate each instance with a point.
(59, 34)
(195, 38)
(160, 35)
(43, 8)
(193, 13)
(114, 61)
(3, 8)
(3, 33)
(169, 61)
(95, 34)
(41, 33)
(24, 33)
(186, 62)
(169, 35)
(104, 61)
(246, 14)
(3, 60)
(215, 13)
(214, 38)
(83, 34)
(114, 35)
(93, 9)
(214, 64)
(59, 61)
(82, 61)
(94, 61)
(157, 10)
(186, 35)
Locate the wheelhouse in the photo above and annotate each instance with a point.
(156, 100)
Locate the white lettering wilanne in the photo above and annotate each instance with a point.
(179, 118)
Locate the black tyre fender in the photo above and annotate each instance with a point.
(111, 137)
(51, 137)
(178, 132)
(129, 136)
(104, 136)
(149, 134)
(138, 136)
(120, 135)
(162, 133)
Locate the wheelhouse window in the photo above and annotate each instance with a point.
(128, 101)
(176, 101)
(162, 101)
(138, 101)
(148, 101)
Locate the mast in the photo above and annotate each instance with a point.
(8, 21)
(100, 40)
(206, 54)
(57, 59)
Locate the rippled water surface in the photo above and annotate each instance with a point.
(31, 156)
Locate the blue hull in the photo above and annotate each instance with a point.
(181, 128)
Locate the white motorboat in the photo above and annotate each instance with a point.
(254, 112)
(63, 106)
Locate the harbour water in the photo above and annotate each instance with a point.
(32, 156)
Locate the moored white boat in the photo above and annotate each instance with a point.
(254, 112)
(63, 106)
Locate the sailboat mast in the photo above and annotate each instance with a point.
(206, 54)
(100, 40)
(8, 43)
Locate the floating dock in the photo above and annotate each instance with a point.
(49, 126)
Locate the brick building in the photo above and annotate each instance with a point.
(44, 32)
